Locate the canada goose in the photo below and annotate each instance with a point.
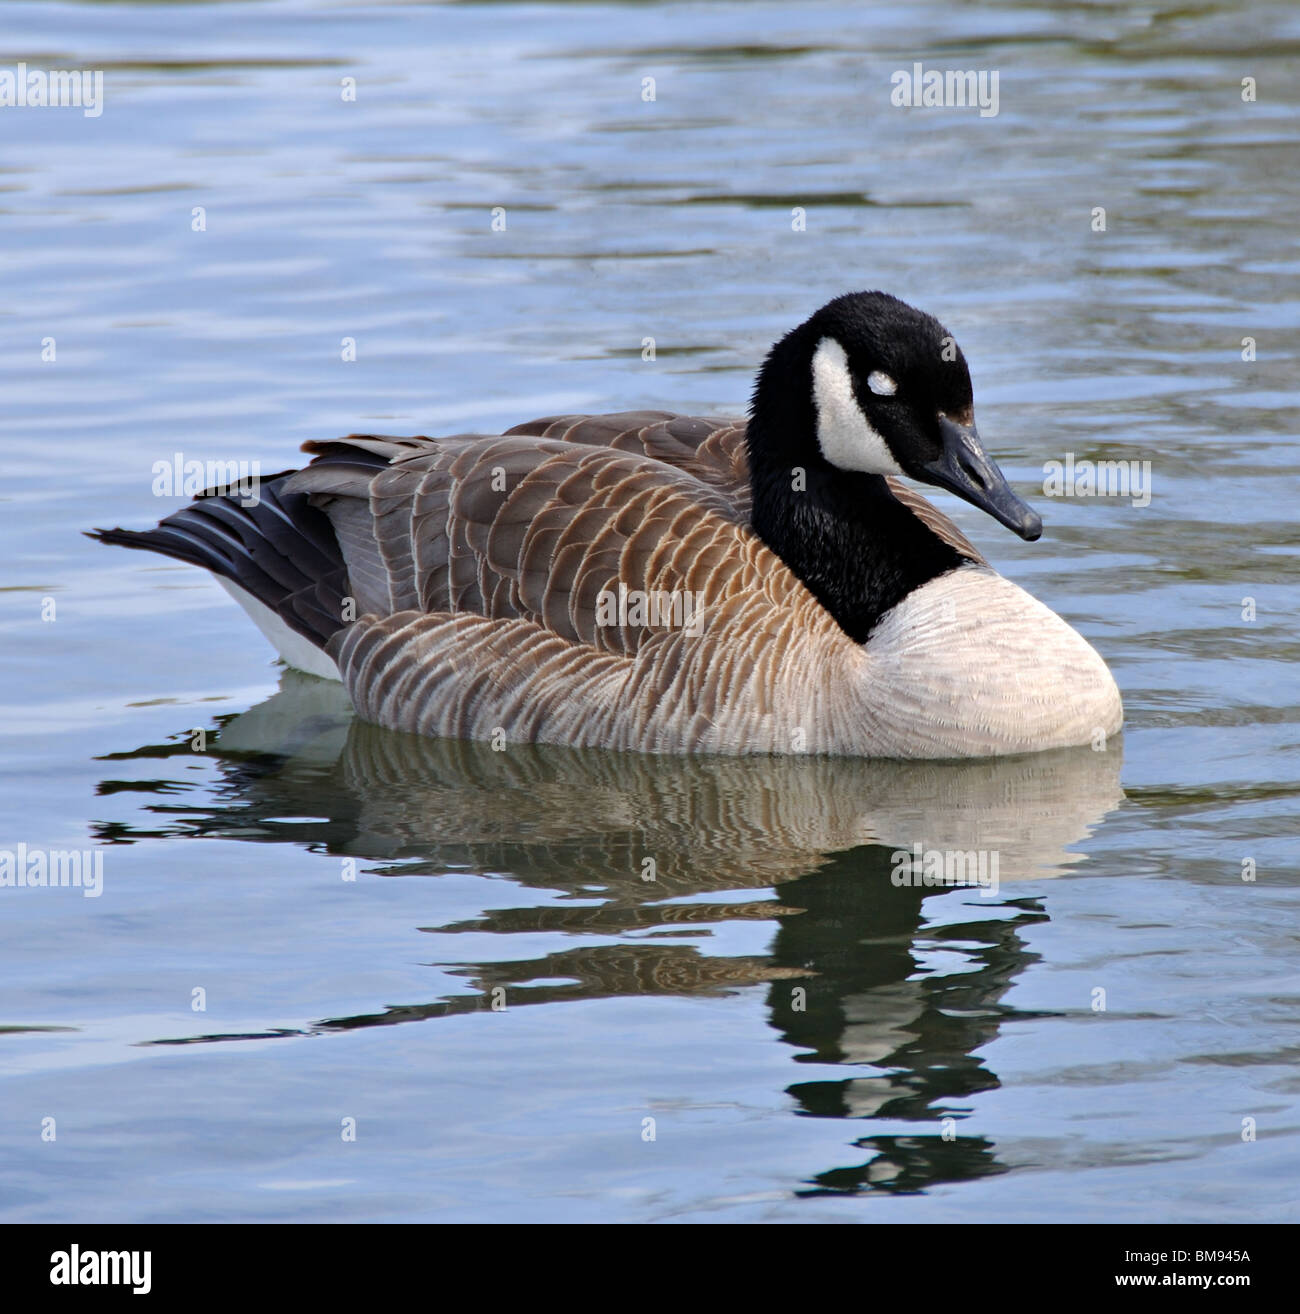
(663, 583)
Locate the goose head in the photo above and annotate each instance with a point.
(871, 386)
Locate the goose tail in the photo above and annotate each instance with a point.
(274, 552)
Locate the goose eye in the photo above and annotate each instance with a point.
(881, 384)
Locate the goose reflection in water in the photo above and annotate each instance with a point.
(848, 976)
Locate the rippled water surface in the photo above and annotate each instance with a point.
(305, 920)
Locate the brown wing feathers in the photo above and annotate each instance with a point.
(518, 527)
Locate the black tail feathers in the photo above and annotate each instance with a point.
(281, 549)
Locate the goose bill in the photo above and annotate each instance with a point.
(965, 468)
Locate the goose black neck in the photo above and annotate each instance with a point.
(854, 545)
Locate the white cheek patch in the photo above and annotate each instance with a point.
(845, 435)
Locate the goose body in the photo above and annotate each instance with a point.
(663, 583)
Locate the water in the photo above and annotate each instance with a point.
(948, 1057)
